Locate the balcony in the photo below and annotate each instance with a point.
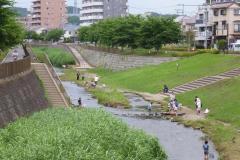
(94, 17)
(201, 36)
(36, 5)
(221, 32)
(86, 11)
(36, 11)
(89, 4)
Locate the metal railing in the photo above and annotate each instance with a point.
(13, 68)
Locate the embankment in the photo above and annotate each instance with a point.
(20, 96)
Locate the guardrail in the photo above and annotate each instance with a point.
(13, 68)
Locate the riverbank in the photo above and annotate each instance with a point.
(106, 96)
(64, 133)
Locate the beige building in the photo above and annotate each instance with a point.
(48, 14)
(226, 20)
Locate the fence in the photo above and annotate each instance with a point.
(15, 67)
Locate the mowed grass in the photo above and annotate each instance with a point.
(76, 134)
(222, 98)
(152, 78)
(222, 124)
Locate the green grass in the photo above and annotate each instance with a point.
(57, 56)
(109, 97)
(76, 134)
(221, 98)
(152, 78)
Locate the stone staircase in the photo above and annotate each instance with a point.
(202, 82)
(54, 94)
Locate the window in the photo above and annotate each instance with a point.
(215, 12)
(223, 12)
(236, 11)
(237, 27)
(224, 25)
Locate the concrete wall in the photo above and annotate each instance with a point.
(120, 62)
(20, 96)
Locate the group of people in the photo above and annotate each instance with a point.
(173, 104)
(93, 82)
(78, 76)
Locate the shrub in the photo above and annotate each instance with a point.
(76, 134)
(222, 44)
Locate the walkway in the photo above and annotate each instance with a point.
(202, 82)
(53, 92)
(10, 58)
(81, 61)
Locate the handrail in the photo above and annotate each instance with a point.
(9, 69)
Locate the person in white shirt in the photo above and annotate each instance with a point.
(96, 79)
(198, 104)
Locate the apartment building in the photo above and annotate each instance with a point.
(48, 14)
(226, 20)
(95, 10)
(203, 26)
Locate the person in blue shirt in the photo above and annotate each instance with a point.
(206, 150)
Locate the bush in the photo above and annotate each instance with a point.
(76, 134)
(57, 56)
(222, 44)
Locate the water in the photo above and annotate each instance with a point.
(179, 142)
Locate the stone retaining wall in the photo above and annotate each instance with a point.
(120, 62)
(21, 96)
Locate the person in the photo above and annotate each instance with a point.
(96, 78)
(83, 77)
(80, 102)
(78, 75)
(198, 104)
(206, 150)
(165, 89)
(150, 107)
(15, 54)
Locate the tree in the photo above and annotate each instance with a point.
(11, 32)
(222, 45)
(54, 35)
(74, 20)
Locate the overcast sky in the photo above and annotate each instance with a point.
(141, 6)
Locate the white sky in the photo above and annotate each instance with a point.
(141, 6)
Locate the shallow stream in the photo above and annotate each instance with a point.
(179, 142)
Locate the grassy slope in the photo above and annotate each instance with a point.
(223, 101)
(152, 78)
(57, 56)
(221, 98)
(75, 134)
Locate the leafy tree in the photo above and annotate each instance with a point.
(32, 35)
(74, 20)
(11, 32)
(222, 44)
(54, 35)
(84, 34)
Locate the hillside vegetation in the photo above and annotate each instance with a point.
(76, 134)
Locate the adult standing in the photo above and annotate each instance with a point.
(96, 79)
(198, 104)
(78, 75)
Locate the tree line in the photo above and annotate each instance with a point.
(11, 32)
(132, 32)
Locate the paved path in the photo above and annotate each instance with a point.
(205, 81)
(9, 57)
(82, 64)
(54, 94)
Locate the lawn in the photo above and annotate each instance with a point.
(152, 78)
(57, 56)
(223, 123)
(76, 134)
(222, 98)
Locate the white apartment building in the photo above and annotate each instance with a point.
(203, 27)
(95, 10)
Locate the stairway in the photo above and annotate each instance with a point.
(202, 82)
(53, 92)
